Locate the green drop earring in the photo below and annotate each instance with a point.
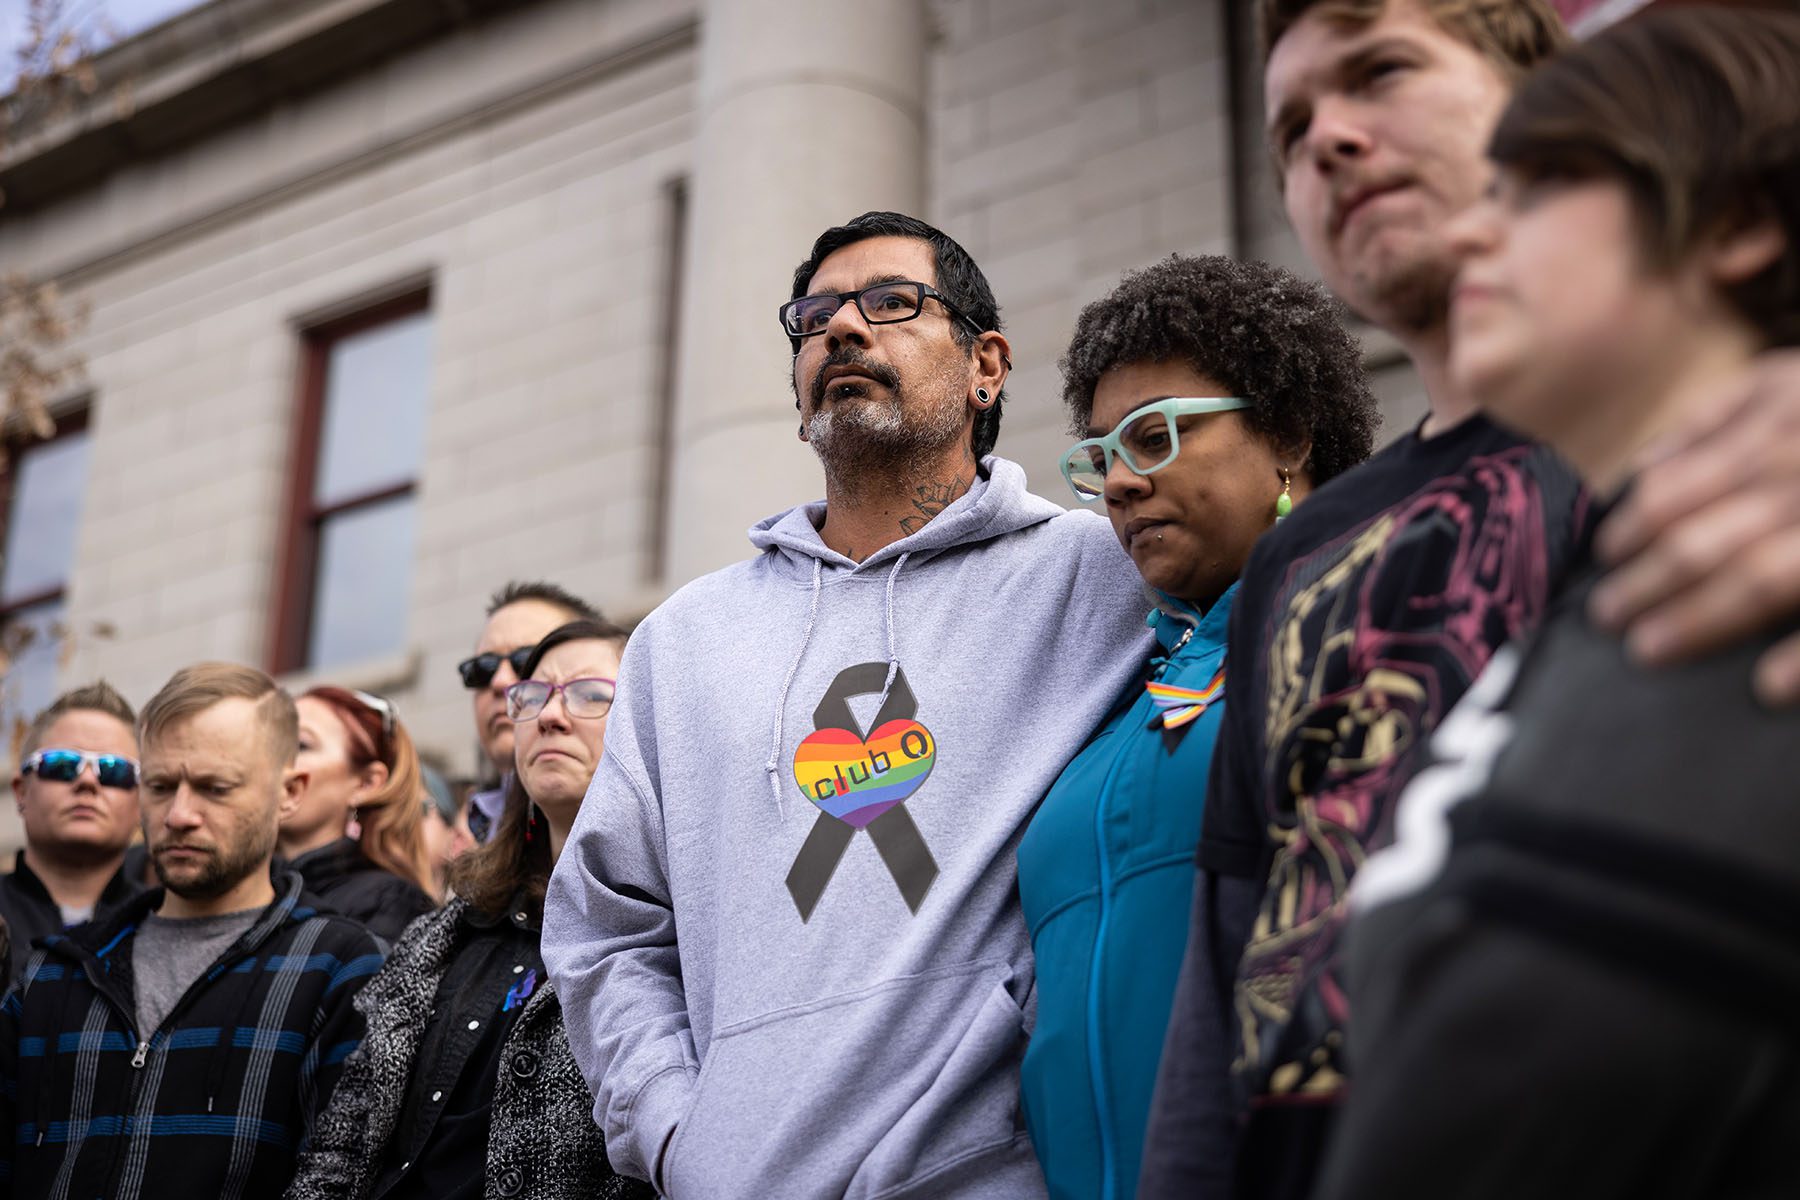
(1284, 503)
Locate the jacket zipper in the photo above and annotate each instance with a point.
(1096, 1063)
(138, 1059)
(1096, 964)
(101, 985)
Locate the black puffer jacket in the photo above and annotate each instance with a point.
(346, 882)
(541, 1141)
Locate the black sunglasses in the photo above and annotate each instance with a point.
(478, 672)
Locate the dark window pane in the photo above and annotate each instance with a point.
(360, 589)
(373, 434)
(48, 481)
(33, 638)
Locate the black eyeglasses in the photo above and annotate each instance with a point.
(478, 672)
(66, 766)
(880, 304)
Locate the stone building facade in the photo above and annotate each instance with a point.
(391, 301)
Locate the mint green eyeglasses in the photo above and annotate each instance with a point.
(1148, 440)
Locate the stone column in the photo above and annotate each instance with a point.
(811, 111)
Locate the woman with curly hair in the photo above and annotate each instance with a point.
(1210, 396)
(355, 836)
(464, 1085)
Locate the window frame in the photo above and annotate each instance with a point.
(73, 421)
(303, 519)
(70, 421)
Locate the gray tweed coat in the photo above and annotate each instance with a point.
(542, 1141)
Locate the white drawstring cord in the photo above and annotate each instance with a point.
(773, 766)
(893, 657)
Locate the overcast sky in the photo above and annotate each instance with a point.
(126, 16)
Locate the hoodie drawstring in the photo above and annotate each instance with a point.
(893, 655)
(221, 1056)
(773, 766)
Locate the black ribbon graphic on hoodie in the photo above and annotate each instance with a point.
(861, 781)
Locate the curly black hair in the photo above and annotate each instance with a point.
(1271, 337)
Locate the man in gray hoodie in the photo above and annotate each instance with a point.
(786, 926)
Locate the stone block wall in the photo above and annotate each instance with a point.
(537, 212)
(1073, 140)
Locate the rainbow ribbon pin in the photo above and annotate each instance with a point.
(1179, 705)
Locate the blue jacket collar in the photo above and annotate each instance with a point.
(1171, 619)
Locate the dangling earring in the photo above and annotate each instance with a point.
(353, 827)
(1284, 503)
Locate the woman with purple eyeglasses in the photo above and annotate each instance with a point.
(465, 1078)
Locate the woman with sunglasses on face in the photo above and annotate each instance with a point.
(464, 1085)
(1211, 396)
(356, 836)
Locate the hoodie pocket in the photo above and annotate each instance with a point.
(857, 1094)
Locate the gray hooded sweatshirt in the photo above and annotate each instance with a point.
(786, 927)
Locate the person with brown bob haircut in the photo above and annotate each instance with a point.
(1575, 972)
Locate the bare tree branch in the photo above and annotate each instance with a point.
(52, 70)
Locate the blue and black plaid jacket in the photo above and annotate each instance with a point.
(214, 1104)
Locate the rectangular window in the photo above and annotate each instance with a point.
(353, 504)
(43, 487)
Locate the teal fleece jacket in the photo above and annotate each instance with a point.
(1106, 872)
(786, 925)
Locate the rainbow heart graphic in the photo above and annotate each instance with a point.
(856, 780)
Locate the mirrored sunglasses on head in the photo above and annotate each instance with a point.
(1148, 439)
(589, 697)
(478, 672)
(383, 708)
(66, 766)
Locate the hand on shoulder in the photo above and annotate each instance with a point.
(1706, 548)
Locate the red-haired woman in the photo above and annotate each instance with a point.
(355, 837)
